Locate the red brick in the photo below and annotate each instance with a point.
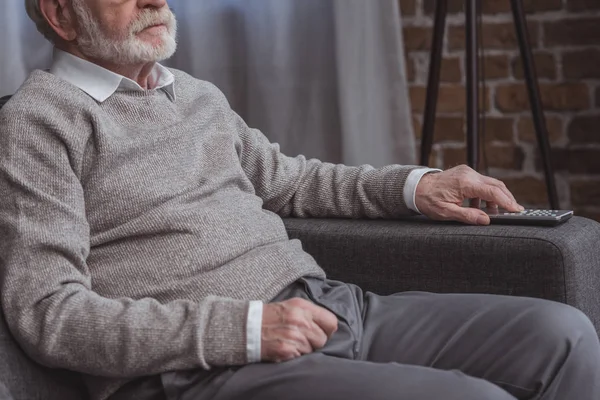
(411, 72)
(504, 157)
(584, 130)
(432, 157)
(451, 70)
(530, 6)
(528, 190)
(498, 129)
(575, 161)
(512, 98)
(555, 97)
(571, 32)
(451, 98)
(418, 95)
(497, 67)
(497, 6)
(534, 6)
(433, 160)
(446, 129)
(585, 193)
(417, 38)
(408, 7)
(584, 64)
(500, 36)
(566, 96)
(554, 126)
(417, 127)
(449, 129)
(545, 66)
(453, 157)
(583, 5)
(454, 6)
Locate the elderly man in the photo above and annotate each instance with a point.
(142, 246)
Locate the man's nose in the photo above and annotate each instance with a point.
(152, 3)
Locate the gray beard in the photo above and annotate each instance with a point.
(93, 42)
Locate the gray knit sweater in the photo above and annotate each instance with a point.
(133, 233)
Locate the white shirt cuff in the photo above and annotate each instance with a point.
(410, 187)
(254, 331)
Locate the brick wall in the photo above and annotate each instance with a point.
(565, 35)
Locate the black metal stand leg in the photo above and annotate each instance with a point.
(472, 64)
(433, 82)
(537, 110)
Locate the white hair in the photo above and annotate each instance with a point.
(35, 13)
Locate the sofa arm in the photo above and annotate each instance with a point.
(560, 263)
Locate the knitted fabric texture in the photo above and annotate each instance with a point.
(134, 232)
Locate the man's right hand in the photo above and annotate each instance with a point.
(294, 327)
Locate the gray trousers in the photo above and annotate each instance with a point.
(413, 346)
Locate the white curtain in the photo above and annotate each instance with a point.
(22, 48)
(323, 78)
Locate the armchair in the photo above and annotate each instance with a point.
(560, 264)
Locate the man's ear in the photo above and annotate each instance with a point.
(60, 17)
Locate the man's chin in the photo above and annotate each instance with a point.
(150, 51)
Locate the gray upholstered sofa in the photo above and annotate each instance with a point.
(561, 264)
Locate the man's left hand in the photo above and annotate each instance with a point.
(440, 196)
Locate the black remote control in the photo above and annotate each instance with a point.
(528, 216)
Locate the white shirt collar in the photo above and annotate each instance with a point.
(100, 83)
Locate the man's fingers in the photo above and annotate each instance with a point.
(296, 339)
(325, 319)
(476, 203)
(316, 336)
(493, 194)
(490, 204)
(500, 185)
(468, 215)
(499, 197)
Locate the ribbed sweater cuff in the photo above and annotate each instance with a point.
(393, 190)
(225, 337)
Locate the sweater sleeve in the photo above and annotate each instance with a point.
(45, 283)
(295, 186)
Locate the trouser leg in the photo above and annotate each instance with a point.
(333, 372)
(144, 388)
(321, 377)
(419, 346)
(534, 349)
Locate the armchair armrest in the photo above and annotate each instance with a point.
(560, 263)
